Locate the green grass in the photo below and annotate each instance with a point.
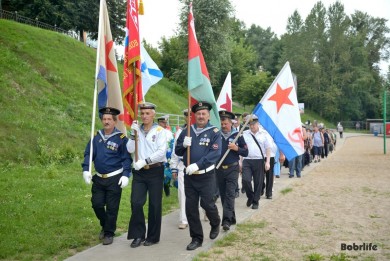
(286, 190)
(47, 213)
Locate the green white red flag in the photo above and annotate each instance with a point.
(199, 85)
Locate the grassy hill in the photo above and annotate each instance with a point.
(47, 82)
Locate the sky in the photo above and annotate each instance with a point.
(161, 17)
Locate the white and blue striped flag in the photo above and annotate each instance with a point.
(150, 72)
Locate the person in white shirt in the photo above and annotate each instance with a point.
(163, 122)
(177, 167)
(253, 166)
(148, 175)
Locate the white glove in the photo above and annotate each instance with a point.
(135, 126)
(123, 182)
(87, 177)
(192, 168)
(139, 164)
(187, 141)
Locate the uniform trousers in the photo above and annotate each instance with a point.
(181, 193)
(146, 182)
(200, 187)
(269, 179)
(227, 183)
(253, 169)
(106, 197)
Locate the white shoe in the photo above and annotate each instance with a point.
(182, 226)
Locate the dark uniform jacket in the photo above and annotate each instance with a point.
(205, 146)
(233, 156)
(109, 154)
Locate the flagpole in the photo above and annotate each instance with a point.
(188, 127)
(135, 96)
(95, 88)
(235, 139)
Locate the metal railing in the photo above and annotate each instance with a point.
(25, 20)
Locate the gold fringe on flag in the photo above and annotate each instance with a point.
(141, 8)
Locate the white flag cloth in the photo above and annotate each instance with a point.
(150, 72)
(278, 113)
(225, 96)
(109, 89)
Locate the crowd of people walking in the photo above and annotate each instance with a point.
(203, 161)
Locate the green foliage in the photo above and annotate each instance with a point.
(81, 15)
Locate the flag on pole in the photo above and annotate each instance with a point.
(151, 74)
(109, 89)
(278, 113)
(224, 100)
(132, 63)
(199, 84)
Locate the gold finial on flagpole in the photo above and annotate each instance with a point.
(141, 8)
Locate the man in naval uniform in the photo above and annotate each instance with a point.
(227, 173)
(205, 149)
(148, 177)
(113, 165)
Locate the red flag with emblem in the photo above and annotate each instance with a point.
(132, 87)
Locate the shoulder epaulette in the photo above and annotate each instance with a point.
(216, 130)
(123, 135)
(159, 128)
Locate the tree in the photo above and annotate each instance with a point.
(264, 42)
(79, 16)
(213, 26)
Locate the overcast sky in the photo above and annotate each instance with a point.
(162, 16)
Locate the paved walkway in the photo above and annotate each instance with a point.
(173, 241)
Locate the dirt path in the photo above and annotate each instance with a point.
(344, 199)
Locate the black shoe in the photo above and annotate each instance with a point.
(101, 235)
(255, 206)
(214, 232)
(237, 194)
(249, 202)
(269, 197)
(194, 245)
(136, 242)
(242, 190)
(149, 242)
(107, 240)
(291, 176)
(226, 226)
(278, 177)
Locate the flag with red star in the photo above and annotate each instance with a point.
(108, 86)
(199, 84)
(224, 100)
(132, 85)
(278, 113)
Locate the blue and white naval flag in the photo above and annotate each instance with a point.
(150, 72)
(278, 113)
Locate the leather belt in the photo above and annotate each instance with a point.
(154, 165)
(229, 165)
(116, 172)
(203, 171)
